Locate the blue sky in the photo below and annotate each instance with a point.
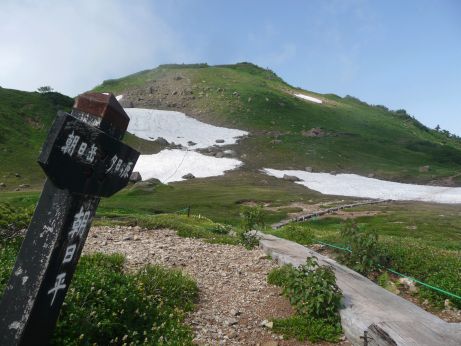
(401, 54)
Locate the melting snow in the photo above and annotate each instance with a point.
(309, 98)
(178, 128)
(357, 186)
(171, 165)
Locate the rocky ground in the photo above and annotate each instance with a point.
(235, 300)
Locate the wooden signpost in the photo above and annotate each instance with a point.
(84, 159)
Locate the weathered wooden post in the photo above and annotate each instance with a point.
(84, 159)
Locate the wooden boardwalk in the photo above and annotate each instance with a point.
(387, 318)
(327, 211)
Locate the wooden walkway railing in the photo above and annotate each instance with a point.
(327, 211)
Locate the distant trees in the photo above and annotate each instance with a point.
(45, 89)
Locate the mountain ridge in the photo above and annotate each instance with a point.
(341, 135)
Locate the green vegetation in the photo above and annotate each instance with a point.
(12, 220)
(195, 226)
(416, 239)
(218, 198)
(252, 219)
(357, 138)
(312, 329)
(313, 292)
(363, 255)
(24, 121)
(112, 307)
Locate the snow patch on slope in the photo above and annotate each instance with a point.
(171, 165)
(357, 186)
(308, 98)
(178, 128)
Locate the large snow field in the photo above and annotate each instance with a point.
(357, 186)
(171, 165)
(309, 98)
(178, 128)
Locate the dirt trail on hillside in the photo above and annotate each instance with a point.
(234, 295)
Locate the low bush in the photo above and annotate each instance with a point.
(302, 234)
(12, 220)
(434, 266)
(311, 329)
(106, 306)
(279, 276)
(251, 220)
(313, 292)
(364, 253)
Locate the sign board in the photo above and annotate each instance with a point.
(85, 160)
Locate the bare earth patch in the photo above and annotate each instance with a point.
(234, 295)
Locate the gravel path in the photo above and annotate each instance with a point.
(234, 296)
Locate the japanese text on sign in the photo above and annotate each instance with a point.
(72, 141)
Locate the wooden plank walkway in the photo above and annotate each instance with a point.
(326, 211)
(388, 318)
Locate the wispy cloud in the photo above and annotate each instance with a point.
(74, 45)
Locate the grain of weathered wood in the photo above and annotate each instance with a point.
(367, 304)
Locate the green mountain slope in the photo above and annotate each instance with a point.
(24, 121)
(353, 136)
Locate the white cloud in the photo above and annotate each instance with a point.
(74, 45)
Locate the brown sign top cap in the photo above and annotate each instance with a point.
(105, 106)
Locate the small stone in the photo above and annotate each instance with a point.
(409, 284)
(234, 312)
(290, 178)
(308, 169)
(17, 175)
(23, 186)
(127, 238)
(219, 154)
(191, 144)
(447, 304)
(2, 185)
(231, 322)
(424, 169)
(188, 176)
(161, 141)
(135, 177)
(219, 141)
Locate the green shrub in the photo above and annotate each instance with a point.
(8, 251)
(279, 276)
(12, 220)
(219, 228)
(305, 328)
(106, 306)
(364, 255)
(252, 218)
(312, 290)
(301, 234)
(434, 266)
(113, 308)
